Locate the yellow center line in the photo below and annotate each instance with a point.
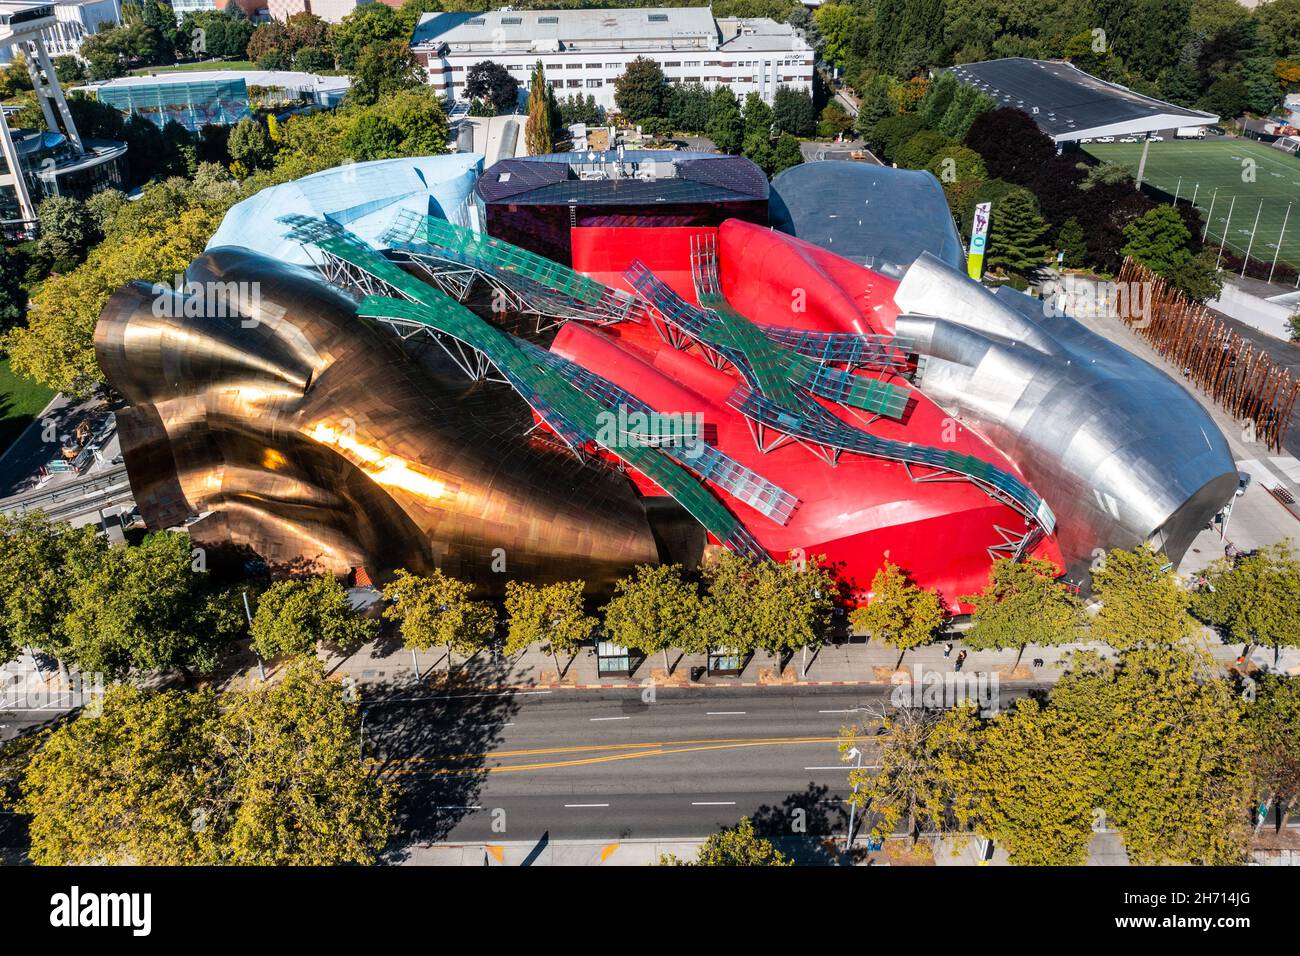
(655, 750)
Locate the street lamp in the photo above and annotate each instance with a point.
(848, 837)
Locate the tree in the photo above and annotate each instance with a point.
(40, 563)
(1173, 752)
(294, 778)
(373, 137)
(551, 613)
(785, 154)
(537, 133)
(890, 133)
(130, 786)
(1012, 146)
(642, 90)
(726, 126)
(833, 121)
(793, 113)
(774, 606)
(67, 231)
(1274, 723)
(1029, 782)
(148, 608)
(366, 26)
(13, 296)
(1017, 234)
(250, 144)
(293, 616)
(734, 846)
(267, 776)
(492, 82)
(1254, 599)
(900, 613)
(1071, 244)
(1159, 239)
(913, 781)
(437, 610)
(654, 610)
(688, 107)
(1141, 600)
(418, 115)
(1023, 604)
(920, 150)
(384, 68)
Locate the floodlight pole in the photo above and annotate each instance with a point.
(1208, 216)
(1224, 238)
(1142, 163)
(1279, 242)
(1178, 190)
(1251, 245)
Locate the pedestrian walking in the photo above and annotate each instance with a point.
(961, 659)
(947, 649)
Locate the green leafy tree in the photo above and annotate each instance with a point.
(250, 144)
(133, 785)
(552, 614)
(734, 846)
(384, 68)
(366, 26)
(1158, 239)
(921, 150)
(1254, 599)
(435, 610)
(1030, 783)
(1173, 752)
(833, 121)
(1141, 600)
(149, 608)
(655, 609)
(13, 295)
(538, 132)
(41, 562)
(1274, 722)
(419, 115)
(1017, 234)
(900, 613)
(293, 616)
(373, 137)
(793, 113)
(642, 90)
(298, 791)
(1071, 244)
(67, 231)
(1023, 604)
(914, 782)
(726, 126)
(785, 153)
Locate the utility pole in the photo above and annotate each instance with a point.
(1224, 238)
(1210, 214)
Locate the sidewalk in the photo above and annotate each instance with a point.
(858, 663)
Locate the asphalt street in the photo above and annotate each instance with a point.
(596, 765)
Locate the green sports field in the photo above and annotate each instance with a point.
(1197, 168)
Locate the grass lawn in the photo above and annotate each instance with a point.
(205, 65)
(1206, 165)
(21, 400)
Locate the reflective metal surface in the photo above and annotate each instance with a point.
(1120, 450)
(317, 438)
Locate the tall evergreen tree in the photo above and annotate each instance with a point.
(537, 134)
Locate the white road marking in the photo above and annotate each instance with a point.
(609, 718)
(458, 808)
(723, 713)
(713, 803)
(584, 806)
(852, 711)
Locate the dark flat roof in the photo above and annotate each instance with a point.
(1069, 104)
(678, 177)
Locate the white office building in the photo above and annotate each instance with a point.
(585, 51)
(74, 20)
(331, 11)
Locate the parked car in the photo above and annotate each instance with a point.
(1155, 138)
(1084, 142)
(1128, 139)
(1106, 139)
(1218, 131)
(1243, 482)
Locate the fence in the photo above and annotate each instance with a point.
(1241, 378)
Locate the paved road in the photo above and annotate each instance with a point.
(597, 765)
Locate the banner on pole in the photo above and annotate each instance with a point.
(979, 237)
